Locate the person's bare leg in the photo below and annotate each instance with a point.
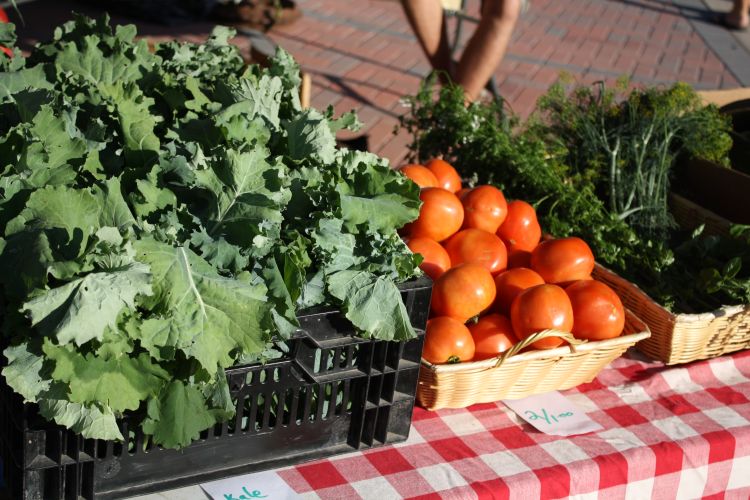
(427, 21)
(739, 17)
(487, 46)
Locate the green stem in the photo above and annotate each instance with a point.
(613, 176)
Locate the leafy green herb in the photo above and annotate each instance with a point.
(724, 272)
(627, 143)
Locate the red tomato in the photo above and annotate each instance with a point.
(512, 282)
(436, 260)
(441, 215)
(518, 258)
(542, 307)
(421, 176)
(520, 230)
(447, 340)
(597, 310)
(463, 292)
(493, 334)
(462, 192)
(8, 52)
(446, 175)
(490, 322)
(475, 246)
(484, 208)
(563, 260)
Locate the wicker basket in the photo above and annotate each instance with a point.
(516, 375)
(682, 338)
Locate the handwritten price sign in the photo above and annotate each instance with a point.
(553, 413)
(530, 415)
(265, 485)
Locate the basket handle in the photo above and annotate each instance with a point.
(522, 344)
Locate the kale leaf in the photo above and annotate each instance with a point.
(164, 215)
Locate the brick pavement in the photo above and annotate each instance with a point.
(362, 55)
(732, 47)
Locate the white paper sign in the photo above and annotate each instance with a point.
(262, 485)
(553, 413)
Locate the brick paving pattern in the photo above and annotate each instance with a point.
(362, 54)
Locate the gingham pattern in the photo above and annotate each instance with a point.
(680, 432)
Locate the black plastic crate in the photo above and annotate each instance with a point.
(333, 393)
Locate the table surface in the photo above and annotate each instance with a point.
(669, 432)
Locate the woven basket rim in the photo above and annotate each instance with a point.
(557, 352)
(722, 312)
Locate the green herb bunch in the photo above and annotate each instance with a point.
(164, 215)
(723, 265)
(626, 143)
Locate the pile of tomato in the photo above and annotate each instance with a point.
(495, 282)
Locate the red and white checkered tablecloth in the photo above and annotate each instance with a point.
(680, 432)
